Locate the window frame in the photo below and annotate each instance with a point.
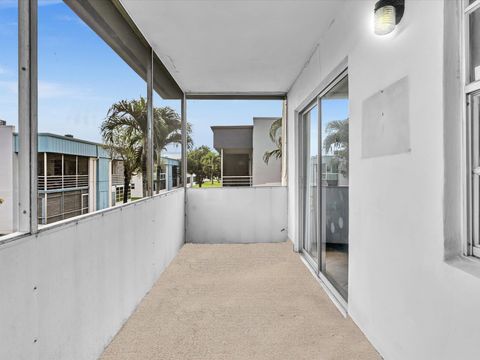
(472, 141)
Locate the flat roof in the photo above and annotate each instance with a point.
(231, 127)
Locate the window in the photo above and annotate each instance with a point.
(472, 21)
(324, 182)
(70, 165)
(472, 92)
(82, 165)
(54, 165)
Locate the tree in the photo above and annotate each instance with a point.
(337, 142)
(275, 134)
(125, 148)
(199, 162)
(129, 117)
(211, 164)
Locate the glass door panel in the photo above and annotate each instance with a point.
(310, 178)
(334, 185)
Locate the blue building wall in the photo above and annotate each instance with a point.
(53, 143)
(169, 164)
(59, 144)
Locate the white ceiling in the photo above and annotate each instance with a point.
(231, 45)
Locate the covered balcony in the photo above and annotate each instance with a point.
(363, 244)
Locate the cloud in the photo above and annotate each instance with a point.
(9, 86)
(47, 90)
(50, 90)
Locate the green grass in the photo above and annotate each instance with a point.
(208, 184)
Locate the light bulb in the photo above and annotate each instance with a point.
(385, 20)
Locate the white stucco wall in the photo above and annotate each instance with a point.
(7, 186)
(237, 215)
(262, 173)
(137, 180)
(409, 302)
(66, 292)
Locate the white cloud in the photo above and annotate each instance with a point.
(49, 90)
(46, 89)
(9, 86)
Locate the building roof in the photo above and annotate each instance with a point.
(60, 144)
(231, 127)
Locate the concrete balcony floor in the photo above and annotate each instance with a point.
(254, 301)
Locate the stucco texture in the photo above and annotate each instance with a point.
(255, 301)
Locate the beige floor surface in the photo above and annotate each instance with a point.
(254, 301)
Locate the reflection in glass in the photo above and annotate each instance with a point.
(474, 36)
(310, 141)
(334, 185)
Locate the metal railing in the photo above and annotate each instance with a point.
(55, 182)
(236, 181)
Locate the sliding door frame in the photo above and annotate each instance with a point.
(314, 99)
(303, 153)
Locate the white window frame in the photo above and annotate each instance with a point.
(471, 90)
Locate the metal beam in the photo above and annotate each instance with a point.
(184, 161)
(27, 115)
(236, 96)
(112, 23)
(150, 125)
(184, 141)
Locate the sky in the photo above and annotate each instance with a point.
(80, 77)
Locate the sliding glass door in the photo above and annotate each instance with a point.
(334, 185)
(325, 179)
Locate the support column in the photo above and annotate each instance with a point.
(184, 141)
(284, 158)
(221, 167)
(27, 115)
(184, 163)
(150, 125)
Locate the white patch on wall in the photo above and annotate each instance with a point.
(385, 121)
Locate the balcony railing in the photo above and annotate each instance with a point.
(237, 181)
(56, 182)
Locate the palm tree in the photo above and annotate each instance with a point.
(275, 134)
(129, 117)
(337, 141)
(211, 163)
(125, 148)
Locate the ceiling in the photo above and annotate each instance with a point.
(232, 46)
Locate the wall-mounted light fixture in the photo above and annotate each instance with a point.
(388, 13)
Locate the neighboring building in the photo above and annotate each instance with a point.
(118, 182)
(242, 148)
(75, 177)
(165, 178)
(8, 188)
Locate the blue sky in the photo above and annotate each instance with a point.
(80, 77)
